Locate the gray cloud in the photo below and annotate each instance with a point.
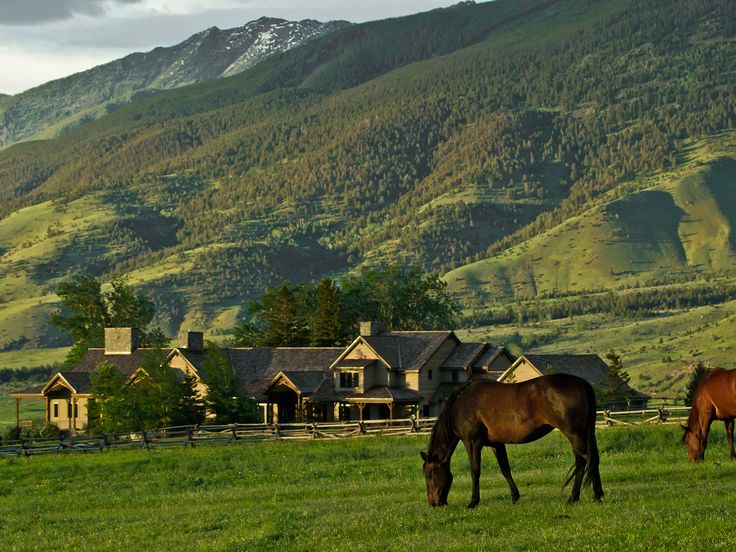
(35, 12)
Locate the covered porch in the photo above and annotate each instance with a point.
(289, 398)
(382, 402)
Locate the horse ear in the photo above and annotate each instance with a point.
(424, 456)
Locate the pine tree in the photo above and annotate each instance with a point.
(327, 329)
(225, 400)
(284, 327)
(615, 389)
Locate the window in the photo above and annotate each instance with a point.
(455, 376)
(349, 380)
(55, 405)
(69, 410)
(425, 411)
(429, 375)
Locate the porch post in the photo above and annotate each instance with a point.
(17, 411)
(390, 411)
(360, 409)
(47, 415)
(75, 413)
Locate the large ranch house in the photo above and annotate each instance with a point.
(380, 375)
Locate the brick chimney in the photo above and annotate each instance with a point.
(371, 328)
(191, 341)
(121, 341)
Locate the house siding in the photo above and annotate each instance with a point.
(427, 386)
(524, 371)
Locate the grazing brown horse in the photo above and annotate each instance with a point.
(488, 413)
(715, 399)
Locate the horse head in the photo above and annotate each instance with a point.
(694, 442)
(438, 478)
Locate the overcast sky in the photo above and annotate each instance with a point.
(41, 40)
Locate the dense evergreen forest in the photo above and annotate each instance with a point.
(435, 140)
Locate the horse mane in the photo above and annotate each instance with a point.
(692, 419)
(442, 433)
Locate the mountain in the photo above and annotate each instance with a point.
(54, 107)
(539, 153)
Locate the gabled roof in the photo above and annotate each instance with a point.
(194, 359)
(589, 367)
(464, 355)
(402, 350)
(76, 382)
(304, 383)
(127, 364)
(257, 367)
(490, 355)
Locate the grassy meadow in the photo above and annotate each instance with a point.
(368, 494)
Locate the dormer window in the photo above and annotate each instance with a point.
(349, 380)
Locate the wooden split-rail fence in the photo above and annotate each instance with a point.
(257, 433)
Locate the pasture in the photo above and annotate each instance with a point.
(368, 494)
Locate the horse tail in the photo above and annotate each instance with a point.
(592, 457)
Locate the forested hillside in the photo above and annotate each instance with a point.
(440, 139)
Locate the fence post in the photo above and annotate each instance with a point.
(414, 426)
(661, 418)
(314, 430)
(26, 446)
(233, 433)
(277, 430)
(144, 439)
(190, 436)
(607, 417)
(361, 427)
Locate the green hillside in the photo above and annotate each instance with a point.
(676, 224)
(529, 149)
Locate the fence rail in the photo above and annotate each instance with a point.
(192, 436)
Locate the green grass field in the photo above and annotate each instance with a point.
(368, 494)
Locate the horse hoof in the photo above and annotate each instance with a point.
(573, 499)
(514, 499)
(473, 504)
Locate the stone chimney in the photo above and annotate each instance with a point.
(121, 341)
(192, 341)
(368, 329)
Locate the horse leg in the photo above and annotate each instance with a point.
(704, 431)
(729, 436)
(579, 450)
(473, 448)
(503, 463)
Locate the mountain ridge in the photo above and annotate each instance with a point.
(54, 107)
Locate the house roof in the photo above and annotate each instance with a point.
(382, 393)
(257, 367)
(490, 355)
(77, 381)
(306, 382)
(407, 350)
(464, 355)
(127, 364)
(589, 367)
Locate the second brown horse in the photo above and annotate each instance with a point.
(486, 413)
(714, 399)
